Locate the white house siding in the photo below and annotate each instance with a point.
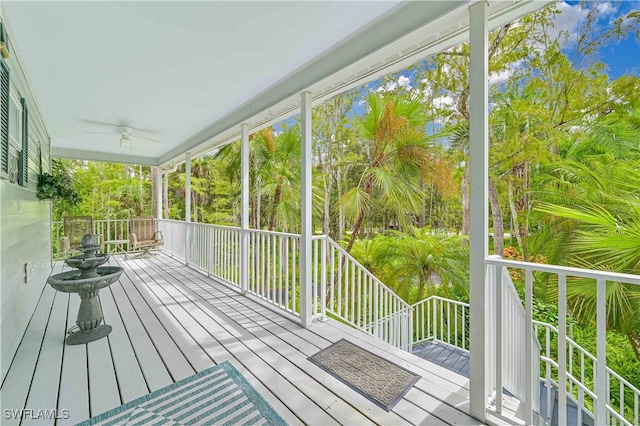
(25, 230)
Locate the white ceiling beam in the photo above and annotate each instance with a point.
(124, 157)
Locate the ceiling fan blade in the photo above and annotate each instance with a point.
(103, 133)
(148, 139)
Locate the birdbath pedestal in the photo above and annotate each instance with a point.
(87, 280)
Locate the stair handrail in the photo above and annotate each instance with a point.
(582, 387)
(384, 314)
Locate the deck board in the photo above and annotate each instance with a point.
(50, 360)
(170, 321)
(127, 368)
(378, 416)
(74, 381)
(17, 383)
(268, 332)
(447, 356)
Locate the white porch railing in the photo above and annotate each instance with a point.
(508, 326)
(351, 293)
(175, 237)
(570, 374)
(582, 365)
(109, 229)
(273, 269)
(438, 319)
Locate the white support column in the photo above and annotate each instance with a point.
(159, 193)
(187, 187)
(306, 229)
(479, 184)
(244, 210)
(187, 206)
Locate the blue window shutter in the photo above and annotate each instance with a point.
(4, 114)
(23, 161)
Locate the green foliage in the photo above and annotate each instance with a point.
(417, 264)
(58, 186)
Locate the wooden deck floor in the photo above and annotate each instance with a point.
(448, 356)
(169, 322)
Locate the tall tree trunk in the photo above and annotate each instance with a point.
(140, 189)
(368, 187)
(498, 221)
(340, 210)
(423, 211)
(154, 203)
(634, 339)
(272, 215)
(194, 198)
(514, 216)
(258, 208)
(165, 190)
(466, 213)
(327, 202)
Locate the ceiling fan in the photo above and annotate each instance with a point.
(127, 136)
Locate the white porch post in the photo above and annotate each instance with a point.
(187, 187)
(479, 184)
(159, 193)
(244, 210)
(187, 206)
(306, 229)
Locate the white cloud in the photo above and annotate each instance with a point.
(389, 87)
(499, 77)
(404, 82)
(571, 17)
(443, 102)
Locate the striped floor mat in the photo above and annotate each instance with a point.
(217, 396)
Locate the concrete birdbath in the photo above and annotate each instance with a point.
(87, 280)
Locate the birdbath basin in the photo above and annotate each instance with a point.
(87, 280)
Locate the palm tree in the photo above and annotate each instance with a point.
(411, 263)
(274, 175)
(592, 216)
(399, 155)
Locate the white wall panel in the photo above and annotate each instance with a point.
(25, 232)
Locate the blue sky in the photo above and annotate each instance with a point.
(620, 57)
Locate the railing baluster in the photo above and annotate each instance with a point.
(353, 292)
(286, 273)
(338, 283)
(323, 277)
(464, 329)
(498, 337)
(359, 322)
(562, 349)
(281, 262)
(455, 328)
(346, 290)
(601, 368)
(332, 278)
(448, 322)
(434, 323)
(528, 348)
(375, 310)
(636, 406)
(294, 280)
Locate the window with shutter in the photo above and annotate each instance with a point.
(4, 114)
(23, 164)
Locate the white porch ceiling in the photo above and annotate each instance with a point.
(189, 72)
